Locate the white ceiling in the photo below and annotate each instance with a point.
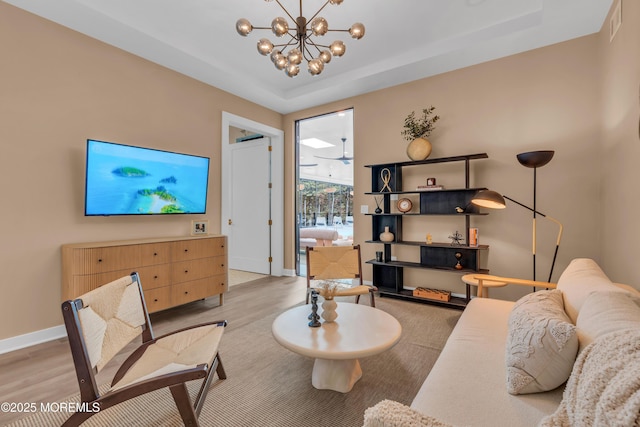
(405, 39)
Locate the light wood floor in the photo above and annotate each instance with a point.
(44, 373)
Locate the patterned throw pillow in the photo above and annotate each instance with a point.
(542, 343)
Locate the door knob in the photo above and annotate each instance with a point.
(230, 222)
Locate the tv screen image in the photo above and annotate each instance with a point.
(127, 180)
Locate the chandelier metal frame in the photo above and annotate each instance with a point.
(301, 46)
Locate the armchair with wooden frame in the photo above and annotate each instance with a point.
(333, 263)
(103, 321)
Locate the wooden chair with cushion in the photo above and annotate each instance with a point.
(333, 263)
(103, 321)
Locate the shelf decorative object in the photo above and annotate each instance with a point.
(456, 238)
(416, 130)
(378, 209)
(458, 257)
(386, 235)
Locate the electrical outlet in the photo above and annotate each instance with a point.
(364, 209)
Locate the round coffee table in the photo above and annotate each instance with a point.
(359, 331)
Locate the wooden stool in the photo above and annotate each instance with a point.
(486, 284)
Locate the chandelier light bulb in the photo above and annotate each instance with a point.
(274, 55)
(316, 66)
(265, 47)
(319, 26)
(243, 27)
(279, 26)
(325, 56)
(280, 61)
(337, 48)
(357, 31)
(336, 2)
(292, 70)
(295, 56)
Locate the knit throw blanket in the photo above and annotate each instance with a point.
(604, 387)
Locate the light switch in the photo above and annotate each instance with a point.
(364, 209)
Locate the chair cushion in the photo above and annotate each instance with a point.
(542, 343)
(606, 312)
(172, 353)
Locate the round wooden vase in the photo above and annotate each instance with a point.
(329, 310)
(419, 149)
(386, 236)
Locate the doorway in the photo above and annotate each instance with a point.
(252, 187)
(324, 182)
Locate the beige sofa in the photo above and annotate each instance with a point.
(468, 385)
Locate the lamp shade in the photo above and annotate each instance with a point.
(489, 199)
(535, 159)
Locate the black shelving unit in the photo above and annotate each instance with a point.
(388, 274)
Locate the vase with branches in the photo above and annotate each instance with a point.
(416, 130)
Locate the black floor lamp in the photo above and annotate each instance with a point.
(493, 200)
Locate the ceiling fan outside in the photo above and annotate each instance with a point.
(344, 158)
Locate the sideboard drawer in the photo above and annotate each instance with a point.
(185, 271)
(190, 291)
(194, 249)
(158, 299)
(155, 276)
(99, 260)
(155, 253)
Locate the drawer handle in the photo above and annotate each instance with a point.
(155, 277)
(186, 271)
(186, 250)
(186, 292)
(155, 254)
(155, 300)
(99, 259)
(222, 265)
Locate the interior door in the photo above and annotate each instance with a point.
(248, 208)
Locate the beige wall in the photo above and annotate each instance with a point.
(621, 146)
(544, 99)
(59, 88)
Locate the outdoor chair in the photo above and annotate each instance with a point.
(103, 321)
(331, 264)
(320, 220)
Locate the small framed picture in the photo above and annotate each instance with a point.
(199, 227)
(431, 181)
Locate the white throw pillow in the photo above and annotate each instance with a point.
(606, 312)
(542, 343)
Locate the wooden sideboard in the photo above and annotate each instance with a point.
(173, 270)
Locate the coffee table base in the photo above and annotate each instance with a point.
(337, 375)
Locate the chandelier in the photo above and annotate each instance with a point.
(300, 45)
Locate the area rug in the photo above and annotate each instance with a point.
(268, 385)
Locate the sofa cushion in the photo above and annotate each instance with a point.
(606, 312)
(581, 277)
(541, 344)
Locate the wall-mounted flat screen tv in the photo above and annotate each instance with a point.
(128, 180)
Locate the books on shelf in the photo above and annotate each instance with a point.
(429, 187)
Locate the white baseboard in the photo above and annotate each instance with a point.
(289, 273)
(27, 340)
